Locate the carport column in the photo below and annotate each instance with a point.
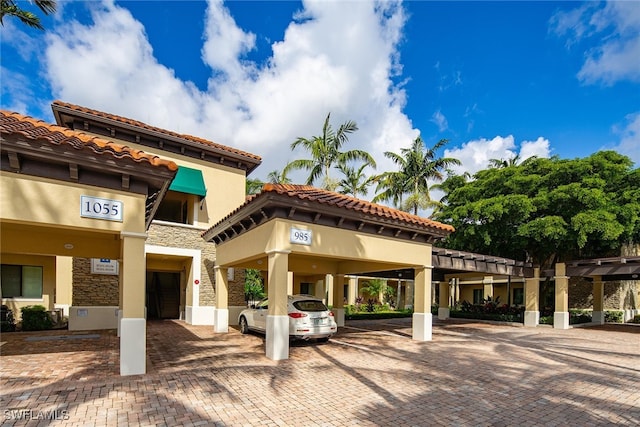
(338, 299)
(598, 300)
(531, 299)
(328, 286)
(133, 325)
(408, 297)
(221, 316)
(398, 293)
(443, 303)
(422, 319)
(277, 336)
(561, 315)
(487, 281)
(353, 290)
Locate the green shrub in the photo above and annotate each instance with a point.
(7, 321)
(613, 316)
(636, 319)
(579, 316)
(546, 320)
(35, 318)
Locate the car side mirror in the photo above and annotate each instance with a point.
(252, 306)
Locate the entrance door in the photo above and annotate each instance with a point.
(163, 295)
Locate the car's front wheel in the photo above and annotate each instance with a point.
(244, 326)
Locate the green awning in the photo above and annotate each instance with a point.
(189, 181)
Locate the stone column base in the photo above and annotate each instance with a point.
(200, 315)
(338, 313)
(133, 346)
(221, 320)
(443, 313)
(531, 318)
(422, 325)
(277, 337)
(561, 320)
(598, 317)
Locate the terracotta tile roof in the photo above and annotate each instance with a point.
(142, 125)
(317, 195)
(34, 129)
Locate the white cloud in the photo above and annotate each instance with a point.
(440, 120)
(617, 29)
(629, 143)
(476, 155)
(339, 57)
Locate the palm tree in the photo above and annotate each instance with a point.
(10, 8)
(502, 163)
(253, 186)
(417, 166)
(354, 181)
(277, 177)
(325, 153)
(391, 188)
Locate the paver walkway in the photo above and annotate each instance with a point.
(370, 374)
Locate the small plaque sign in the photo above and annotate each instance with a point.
(104, 266)
(95, 207)
(300, 237)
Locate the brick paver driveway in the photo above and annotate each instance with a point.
(371, 373)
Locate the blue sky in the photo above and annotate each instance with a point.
(494, 78)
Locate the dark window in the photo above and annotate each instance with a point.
(306, 288)
(21, 281)
(478, 296)
(174, 208)
(518, 296)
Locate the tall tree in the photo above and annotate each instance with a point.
(354, 181)
(253, 186)
(547, 210)
(278, 177)
(502, 163)
(325, 151)
(417, 166)
(11, 8)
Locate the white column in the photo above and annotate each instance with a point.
(422, 318)
(277, 334)
(561, 315)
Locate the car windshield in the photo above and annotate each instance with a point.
(310, 305)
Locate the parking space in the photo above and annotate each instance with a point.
(371, 373)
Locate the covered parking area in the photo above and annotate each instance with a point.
(69, 194)
(313, 232)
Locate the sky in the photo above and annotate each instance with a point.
(496, 79)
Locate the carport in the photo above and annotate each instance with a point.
(309, 231)
(69, 194)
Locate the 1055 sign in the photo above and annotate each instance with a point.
(95, 207)
(301, 237)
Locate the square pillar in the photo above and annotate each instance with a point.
(532, 299)
(422, 319)
(221, 313)
(561, 314)
(408, 296)
(338, 299)
(443, 303)
(487, 282)
(277, 333)
(328, 286)
(133, 325)
(353, 290)
(598, 300)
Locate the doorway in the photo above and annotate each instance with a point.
(163, 295)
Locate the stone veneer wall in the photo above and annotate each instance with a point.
(93, 289)
(618, 295)
(179, 236)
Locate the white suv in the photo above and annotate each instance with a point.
(308, 318)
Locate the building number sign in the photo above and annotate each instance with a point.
(301, 237)
(95, 207)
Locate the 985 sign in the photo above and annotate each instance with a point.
(95, 207)
(301, 237)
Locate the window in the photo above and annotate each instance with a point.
(478, 296)
(518, 296)
(21, 281)
(306, 288)
(175, 207)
